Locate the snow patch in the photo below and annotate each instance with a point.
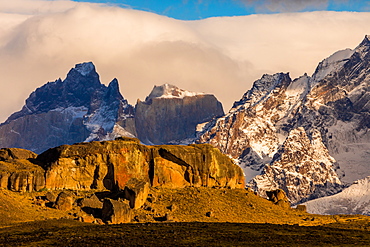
(170, 91)
(330, 64)
(352, 200)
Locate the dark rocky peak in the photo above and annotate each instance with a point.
(365, 43)
(262, 88)
(112, 92)
(81, 83)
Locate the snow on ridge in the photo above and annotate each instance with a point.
(84, 68)
(331, 63)
(171, 91)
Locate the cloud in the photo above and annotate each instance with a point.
(217, 55)
(32, 7)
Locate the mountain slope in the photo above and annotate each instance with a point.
(353, 200)
(331, 109)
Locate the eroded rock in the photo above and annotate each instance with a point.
(111, 164)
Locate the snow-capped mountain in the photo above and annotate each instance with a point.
(76, 109)
(171, 115)
(353, 200)
(329, 112)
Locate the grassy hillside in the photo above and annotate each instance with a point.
(194, 216)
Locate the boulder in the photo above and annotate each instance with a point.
(116, 212)
(64, 201)
(278, 197)
(91, 201)
(301, 208)
(136, 192)
(51, 196)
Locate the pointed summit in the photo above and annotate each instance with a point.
(85, 68)
(365, 41)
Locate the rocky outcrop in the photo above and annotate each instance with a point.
(18, 173)
(278, 197)
(170, 114)
(74, 110)
(96, 165)
(194, 165)
(113, 165)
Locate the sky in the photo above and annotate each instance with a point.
(147, 43)
(201, 9)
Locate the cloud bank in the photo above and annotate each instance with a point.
(218, 55)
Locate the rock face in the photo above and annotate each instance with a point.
(77, 109)
(299, 167)
(170, 114)
(194, 165)
(18, 173)
(332, 104)
(113, 165)
(96, 165)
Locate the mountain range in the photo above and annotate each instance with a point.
(308, 136)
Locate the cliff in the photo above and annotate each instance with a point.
(170, 114)
(112, 164)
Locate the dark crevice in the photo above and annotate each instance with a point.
(168, 156)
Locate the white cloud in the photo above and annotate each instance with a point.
(218, 55)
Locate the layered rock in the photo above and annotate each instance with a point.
(18, 173)
(76, 109)
(170, 114)
(113, 165)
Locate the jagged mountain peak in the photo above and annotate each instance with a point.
(170, 91)
(85, 68)
(262, 88)
(76, 109)
(365, 42)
